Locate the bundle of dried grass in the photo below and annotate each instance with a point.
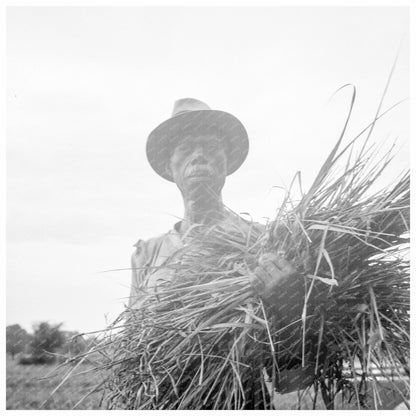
(204, 340)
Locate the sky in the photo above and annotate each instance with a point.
(86, 86)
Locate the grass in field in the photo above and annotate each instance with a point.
(26, 388)
(386, 396)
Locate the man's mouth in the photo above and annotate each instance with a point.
(199, 173)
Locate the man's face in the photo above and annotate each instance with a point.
(199, 164)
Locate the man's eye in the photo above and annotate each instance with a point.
(212, 148)
(184, 149)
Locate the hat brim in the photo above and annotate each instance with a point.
(165, 137)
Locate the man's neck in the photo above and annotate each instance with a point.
(205, 211)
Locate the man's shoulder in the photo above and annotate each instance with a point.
(233, 222)
(150, 243)
(146, 251)
(152, 240)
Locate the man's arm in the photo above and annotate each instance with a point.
(283, 292)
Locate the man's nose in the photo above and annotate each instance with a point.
(198, 156)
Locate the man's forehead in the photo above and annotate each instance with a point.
(198, 138)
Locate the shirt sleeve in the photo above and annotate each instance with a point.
(138, 260)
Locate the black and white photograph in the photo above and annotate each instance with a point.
(207, 207)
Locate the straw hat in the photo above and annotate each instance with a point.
(193, 116)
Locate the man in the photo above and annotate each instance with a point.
(197, 148)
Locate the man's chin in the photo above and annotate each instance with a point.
(201, 186)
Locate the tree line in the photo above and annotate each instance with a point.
(47, 343)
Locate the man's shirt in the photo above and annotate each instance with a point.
(148, 259)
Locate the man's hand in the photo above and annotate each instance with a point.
(271, 274)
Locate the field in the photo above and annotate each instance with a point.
(27, 390)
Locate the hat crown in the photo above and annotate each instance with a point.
(185, 105)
